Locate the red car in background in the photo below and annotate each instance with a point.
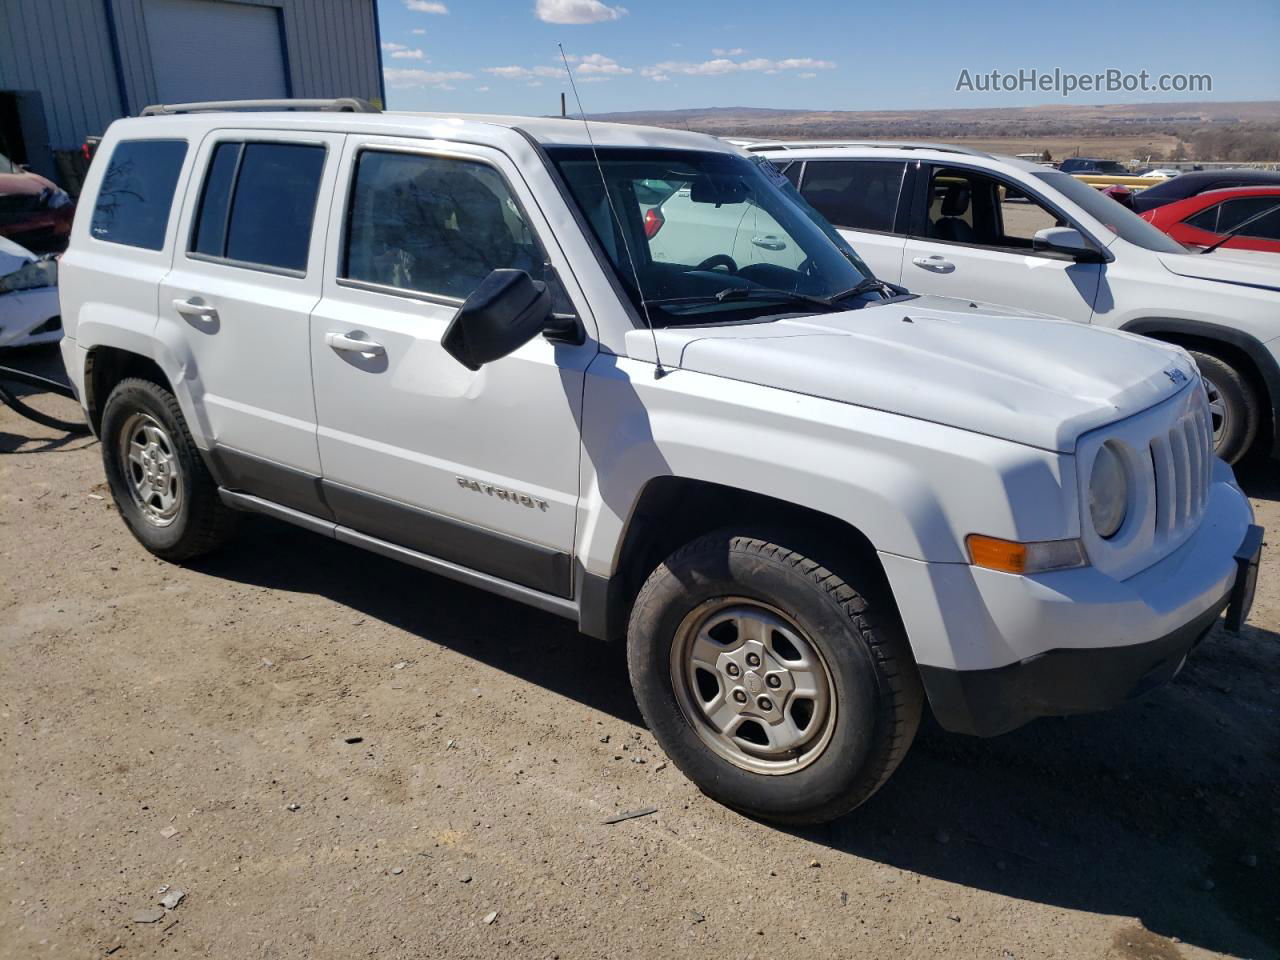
(1203, 220)
(34, 212)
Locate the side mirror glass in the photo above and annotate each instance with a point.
(1066, 240)
(505, 312)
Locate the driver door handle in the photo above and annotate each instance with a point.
(936, 263)
(349, 344)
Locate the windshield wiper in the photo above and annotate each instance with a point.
(733, 294)
(1238, 227)
(866, 285)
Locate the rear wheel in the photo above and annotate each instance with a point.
(156, 475)
(1233, 406)
(780, 688)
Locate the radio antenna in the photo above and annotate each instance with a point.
(626, 244)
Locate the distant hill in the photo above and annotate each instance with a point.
(1231, 130)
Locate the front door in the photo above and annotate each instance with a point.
(974, 241)
(476, 468)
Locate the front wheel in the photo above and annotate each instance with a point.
(1233, 406)
(779, 688)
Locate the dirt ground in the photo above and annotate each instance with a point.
(217, 700)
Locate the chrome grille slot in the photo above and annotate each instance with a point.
(1182, 462)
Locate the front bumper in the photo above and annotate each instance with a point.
(997, 650)
(984, 703)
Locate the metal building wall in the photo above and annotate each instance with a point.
(60, 49)
(91, 59)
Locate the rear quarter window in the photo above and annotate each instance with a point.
(136, 194)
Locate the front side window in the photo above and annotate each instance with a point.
(136, 194)
(734, 241)
(858, 194)
(258, 204)
(435, 225)
(969, 207)
(1237, 211)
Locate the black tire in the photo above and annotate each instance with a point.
(202, 522)
(877, 692)
(1236, 426)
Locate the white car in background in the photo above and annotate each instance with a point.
(29, 312)
(961, 223)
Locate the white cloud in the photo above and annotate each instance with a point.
(408, 55)
(418, 30)
(534, 83)
(593, 79)
(575, 11)
(482, 89)
(723, 65)
(426, 6)
(393, 47)
(658, 77)
(806, 76)
(735, 52)
(524, 73)
(411, 77)
(598, 63)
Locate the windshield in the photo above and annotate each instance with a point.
(1119, 219)
(714, 237)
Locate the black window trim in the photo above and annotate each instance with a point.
(918, 225)
(900, 209)
(243, 142)
(164, 241)
(349, 196)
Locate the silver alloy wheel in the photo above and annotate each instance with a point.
(151, 468)
(1219, 415)
(753, 686)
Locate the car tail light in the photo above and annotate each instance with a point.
(653, 221)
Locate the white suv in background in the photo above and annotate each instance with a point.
(961, 223)
(806, 502)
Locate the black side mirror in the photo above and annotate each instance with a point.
(505, 312)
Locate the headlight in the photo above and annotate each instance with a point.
(1108, 492)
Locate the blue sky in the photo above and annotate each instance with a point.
(495, 56)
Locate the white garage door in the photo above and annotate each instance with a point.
(212, 50)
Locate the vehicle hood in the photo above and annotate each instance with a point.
(990, 370)
(1222, 269)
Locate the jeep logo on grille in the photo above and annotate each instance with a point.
(1176, 375)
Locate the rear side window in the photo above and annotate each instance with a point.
(258, 204)
(861, 194)
(435, 225)
(136, 194)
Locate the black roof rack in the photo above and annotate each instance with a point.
(339, 104)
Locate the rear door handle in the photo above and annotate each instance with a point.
(195, 307)
(935, 263)
(769, 242)
(349, 344)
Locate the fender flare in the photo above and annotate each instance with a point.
(1249, 345)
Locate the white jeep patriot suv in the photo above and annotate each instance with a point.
(806, 500)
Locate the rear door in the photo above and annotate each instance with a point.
(475, 468)
(237, 303)
(863, 200)
(972, 237)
